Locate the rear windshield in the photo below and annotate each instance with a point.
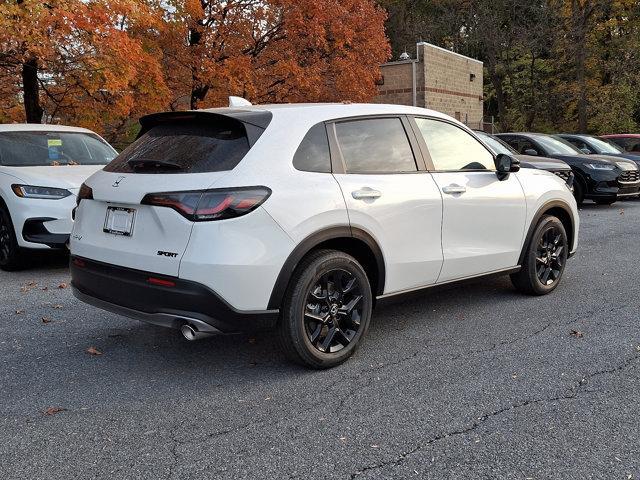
(41, 149)
(185, 147)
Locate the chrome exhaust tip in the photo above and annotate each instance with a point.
(191, 333)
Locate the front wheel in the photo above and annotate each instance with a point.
(327, 310)
(545, 258)
(10, 255)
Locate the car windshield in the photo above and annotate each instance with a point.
(556, 146)
(496, 144)
(604, 146)
(41, 149)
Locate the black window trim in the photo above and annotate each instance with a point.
(427, 155)
(338, 165)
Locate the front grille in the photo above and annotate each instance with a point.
(630, 176)
(564, 174)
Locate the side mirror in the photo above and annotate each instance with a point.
(506, 164)
(531, 151)
(586, 151)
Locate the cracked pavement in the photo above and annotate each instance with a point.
(474, 381)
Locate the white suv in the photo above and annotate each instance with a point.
(300, 217)
(41, 170)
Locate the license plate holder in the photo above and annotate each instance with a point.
(119, 221)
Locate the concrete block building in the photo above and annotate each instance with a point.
(437, 79)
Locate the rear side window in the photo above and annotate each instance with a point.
(378, 145)
(313, 153)
(185, 147)
(451, 148)
(41, 149)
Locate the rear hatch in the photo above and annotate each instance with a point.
(175, 152)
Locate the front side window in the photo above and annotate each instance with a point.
(377, 145)
(451, 148)
(313, 153)
(40, 149)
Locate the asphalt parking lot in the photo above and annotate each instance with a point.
(475, 381)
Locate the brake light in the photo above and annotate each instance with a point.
(85, 193)
(208, 205)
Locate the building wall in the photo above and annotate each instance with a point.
(443, 83)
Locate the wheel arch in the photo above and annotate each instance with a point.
(353, 241)
(558, 209)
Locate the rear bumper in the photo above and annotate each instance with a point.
(128, 292)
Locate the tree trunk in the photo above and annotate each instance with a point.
(496, 80)
(31, 91)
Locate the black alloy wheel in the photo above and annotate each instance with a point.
(550, 258)
(333, 312)
(545, 258)
(326, 310)
(10, 258)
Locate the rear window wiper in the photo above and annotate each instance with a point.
(142, 163)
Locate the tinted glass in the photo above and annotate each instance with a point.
(556, 146)
(313, 153)
(185, 147)
(496, 144)
(377, 145)
(451, 148)
(603, 146)
(39, 149)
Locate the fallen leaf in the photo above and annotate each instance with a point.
(57, 306)
(44, 289)
(62, 285)
(576, 333)
(375, 446)
(54, 410)
(622, 211)
(93, 351)
(46, 320)
(19, 312)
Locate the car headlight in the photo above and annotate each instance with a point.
(45, 193)
(600, 166)
(626, 166)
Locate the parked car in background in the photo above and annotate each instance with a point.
(557, 167)
(297, 217)
(599, 178)
(629, 142)
(591, 145)
(41, 170)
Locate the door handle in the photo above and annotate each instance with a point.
(453, 189)
(366, 193)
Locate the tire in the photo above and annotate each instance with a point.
(10, 254)
(578, 190)
(605, 201)
(545, 258)
(321, 326)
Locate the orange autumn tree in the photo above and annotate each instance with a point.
(272, 50)
(85, 62)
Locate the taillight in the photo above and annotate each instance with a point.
(208, 205)
(85, 193)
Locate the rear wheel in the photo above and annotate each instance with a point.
(544, 259)
(327, 310)
(10, 255)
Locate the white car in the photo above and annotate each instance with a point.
(41, 170)
(299, 217)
